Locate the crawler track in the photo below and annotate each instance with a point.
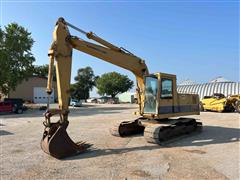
(126, 128)
(162, 134)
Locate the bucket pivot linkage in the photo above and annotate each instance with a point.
(55, 140)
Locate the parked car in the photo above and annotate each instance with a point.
(75, 103)
(10, 106)
(17, 104)
(92, 100)
(6, 107)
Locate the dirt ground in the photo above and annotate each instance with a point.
(212, 154)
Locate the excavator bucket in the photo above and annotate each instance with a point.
(58, 144)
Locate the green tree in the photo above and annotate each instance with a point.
(85, 80)
(42, 71)
(113, 83)
(15, 56)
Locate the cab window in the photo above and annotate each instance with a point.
(166, 88)
(151, 90)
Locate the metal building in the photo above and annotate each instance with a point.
(126, 97)
(34, 90)
(217, 85)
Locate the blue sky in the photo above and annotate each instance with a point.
(194, 40)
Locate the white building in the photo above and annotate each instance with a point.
(218, 85)
(127, 97)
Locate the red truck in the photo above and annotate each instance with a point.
(6, 107)
(11, 105)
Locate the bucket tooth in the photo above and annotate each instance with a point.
(58, 144)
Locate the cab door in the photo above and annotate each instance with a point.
(151, 93)
(166, 103)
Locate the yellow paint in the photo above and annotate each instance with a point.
(219, 104)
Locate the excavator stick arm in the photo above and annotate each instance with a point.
(55, 140)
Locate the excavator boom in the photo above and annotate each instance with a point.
(61, 51)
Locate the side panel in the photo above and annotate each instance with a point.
(187, 103)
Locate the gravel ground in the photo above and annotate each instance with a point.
(212, 154)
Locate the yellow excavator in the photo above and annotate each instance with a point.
(157, 95)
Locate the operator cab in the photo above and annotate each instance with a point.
(160, 89)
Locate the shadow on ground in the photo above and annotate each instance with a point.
(104, 152)
(4, 133)
(209, 135)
